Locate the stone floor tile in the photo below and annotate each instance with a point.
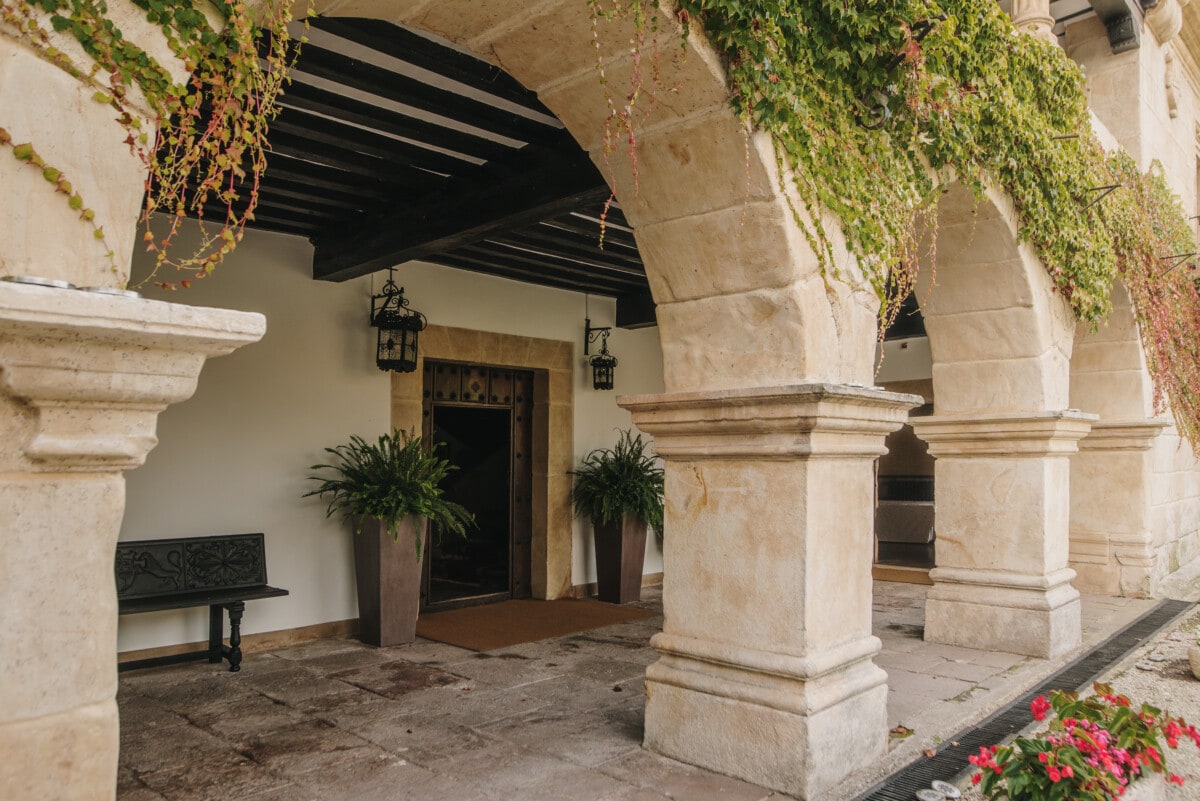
(998, 659)
(397, 678)
(424, 741)
(212, 778)
(507, 772)
(319, 648)
(966, 671)
(196, 691)
(339, 661)
(952, 652)
(679, 781)
(353, 709)
(903, 682)
(508, 669)
(304, 746)
(912, 661)
(471, 706)
(296, 687)
(428, 652)
(145, 750)
(608, 671)
(384, 778)
(146, 713)
(239, 718)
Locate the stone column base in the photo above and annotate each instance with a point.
(771, 719)
(1030, 615)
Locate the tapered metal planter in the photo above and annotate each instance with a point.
(389, 581)
(620, 554)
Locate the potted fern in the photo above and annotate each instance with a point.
(391, 493)
(621, 490)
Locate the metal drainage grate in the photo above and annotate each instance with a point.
(951, 758)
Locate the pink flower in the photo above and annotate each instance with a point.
(1039, 707)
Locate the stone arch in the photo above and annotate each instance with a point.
(1001, 337)
(741, 299)
(999, 332)
(1112, 476)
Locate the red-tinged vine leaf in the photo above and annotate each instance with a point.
(930, 752)
(23, 151)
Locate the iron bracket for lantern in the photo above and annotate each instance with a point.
(603, 363)
(398, 326)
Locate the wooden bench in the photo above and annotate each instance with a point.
(220, 572)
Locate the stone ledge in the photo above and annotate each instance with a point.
(780, 423)
(97, 369)
(1005, 435)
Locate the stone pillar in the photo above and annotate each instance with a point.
(1034, 17)
(1002, 581)
(83, 377)
(766, 668)
(1112, 548)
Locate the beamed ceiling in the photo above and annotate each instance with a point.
(392, 147)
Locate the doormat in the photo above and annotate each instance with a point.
(492, 626)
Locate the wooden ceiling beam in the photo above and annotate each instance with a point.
(537, 184)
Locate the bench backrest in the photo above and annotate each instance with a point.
(149, 568)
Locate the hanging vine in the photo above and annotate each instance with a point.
(875, 108)
(205, 147)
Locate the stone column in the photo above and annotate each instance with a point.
(1034, 17)
(766, 668)
(1112, 548)
(1002, 581)
(83, 377)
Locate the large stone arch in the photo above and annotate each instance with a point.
(1112, 538)
(1001, 339)
(758, 677)
(741, 299)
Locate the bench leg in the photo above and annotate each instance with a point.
(235, 635)
(216, 620)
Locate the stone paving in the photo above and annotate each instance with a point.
(336, 720)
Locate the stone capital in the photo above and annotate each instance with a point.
(94, 370)
(1004, 435)
(1122, 435)
(1034, 17)
(771, 423)
(1165, 19)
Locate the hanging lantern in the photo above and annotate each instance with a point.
(603, 363)
(398, 329)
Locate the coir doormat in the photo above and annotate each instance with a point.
(499, 625)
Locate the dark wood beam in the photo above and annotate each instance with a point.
(414, 49)
(501, 195)
(636, 311)
(310, 99)
(489, 266)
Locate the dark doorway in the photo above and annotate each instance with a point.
(481, 415)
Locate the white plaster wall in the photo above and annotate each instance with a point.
(234, 458)
(903, 360)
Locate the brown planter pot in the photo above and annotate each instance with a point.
(388, 577)
(620, 554)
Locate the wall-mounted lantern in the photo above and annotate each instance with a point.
(398, 328)
(603, 363)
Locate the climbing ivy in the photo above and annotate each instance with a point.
(205, 146)
(877, 107)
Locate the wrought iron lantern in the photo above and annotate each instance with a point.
(603, 363)
(398, 328)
